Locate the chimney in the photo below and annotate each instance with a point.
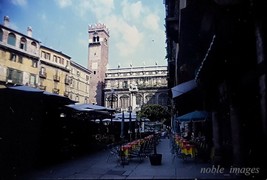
(6, 21)
(29, 31)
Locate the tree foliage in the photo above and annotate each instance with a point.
(154, 112)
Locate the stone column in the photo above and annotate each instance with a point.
(133, 100)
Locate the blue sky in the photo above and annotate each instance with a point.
(137, 32)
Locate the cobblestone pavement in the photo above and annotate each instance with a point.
(99, 166)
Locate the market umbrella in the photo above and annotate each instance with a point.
(194, 116)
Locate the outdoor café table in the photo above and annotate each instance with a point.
(183, 147)
(190, 149)
(126, 148)
(134, 144)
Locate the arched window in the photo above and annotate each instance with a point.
(34, 47)
(11, 40)
(34, 44)
(139, 100)
(125, 101)
(151, 99)
(96, 38)
(1, 35)
(77, 98)
(23, 43)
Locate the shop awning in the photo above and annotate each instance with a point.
(183, 88)
(194, 116)
(25, 88)
(49, 97)
(88, 107)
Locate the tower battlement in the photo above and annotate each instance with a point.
(98, 27)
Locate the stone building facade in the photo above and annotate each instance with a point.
(97, 61)
(54, 71)
(221, 45)
(19, 56)
(79, 83)
(132, 87)
(24, 61)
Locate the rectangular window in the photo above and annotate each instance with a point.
(10, 74)
(13, 57)
(20, 59)
(32, 79)
(21, 46)
(34, 63)
(43, 54)
(18, 77)
(42, 70)
(47, 56)
(125, 84)
(14, 75)
(55, 59)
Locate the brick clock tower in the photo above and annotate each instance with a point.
(97, 61)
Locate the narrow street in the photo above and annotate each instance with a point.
(99, 166)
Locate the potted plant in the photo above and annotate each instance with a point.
(154, 112)
(155, 158)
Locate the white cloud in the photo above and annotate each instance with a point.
(127, 38)
(131, 10)
(131, 24)
(64, 3)
(151, 22)
(130, 41)
(19, 2)
(100, 8)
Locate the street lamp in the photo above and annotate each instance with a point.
(112, 98)
(130, 122)
(137, 125)
(132, 89)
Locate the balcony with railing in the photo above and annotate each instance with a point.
(42, 74)
(56, 78)
(66, 93)
(42, 87)
(67, 80)
(55, 90)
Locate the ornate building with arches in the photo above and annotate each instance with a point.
(131, 87)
